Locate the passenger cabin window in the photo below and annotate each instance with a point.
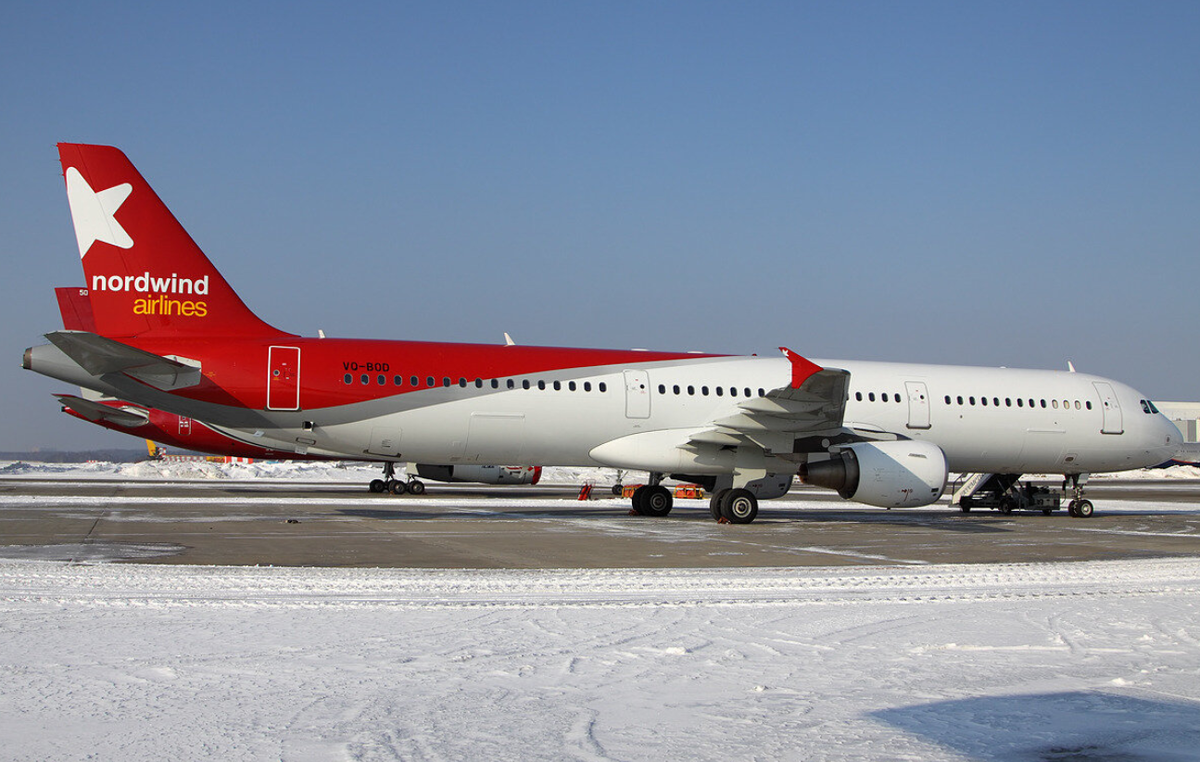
(348, 378)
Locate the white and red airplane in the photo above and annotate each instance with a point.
(171, 334)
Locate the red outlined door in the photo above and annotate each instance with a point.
(283, 378)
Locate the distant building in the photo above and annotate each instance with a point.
(1185, 416)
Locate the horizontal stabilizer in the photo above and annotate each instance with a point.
(100, 356)
(94, 411)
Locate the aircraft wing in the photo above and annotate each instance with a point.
(95, 411)
(100, 356)
(812, 406)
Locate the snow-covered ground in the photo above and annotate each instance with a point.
(1070, 661)
(1089, 661)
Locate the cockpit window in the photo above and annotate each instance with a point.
(1145, 406)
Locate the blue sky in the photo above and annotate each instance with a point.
(979, 183)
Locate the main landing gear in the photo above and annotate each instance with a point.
(652, 499)
(389, 483)
(733, 506)
(728, 506)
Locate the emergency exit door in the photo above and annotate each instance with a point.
(283, 378)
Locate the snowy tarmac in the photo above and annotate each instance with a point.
(325, 517)
(859, 645)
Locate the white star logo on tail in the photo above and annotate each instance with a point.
(93, 212)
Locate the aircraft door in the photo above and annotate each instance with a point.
(283, 378)
(637, 394)
(918, 404)
(1113, 423)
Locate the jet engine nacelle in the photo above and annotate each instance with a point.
(901, 474)
(477, 474)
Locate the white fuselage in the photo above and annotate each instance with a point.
(985, 419)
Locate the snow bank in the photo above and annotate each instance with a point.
(1092, 661)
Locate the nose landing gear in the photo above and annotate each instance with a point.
(1079, 507)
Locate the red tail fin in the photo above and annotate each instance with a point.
(145, 274)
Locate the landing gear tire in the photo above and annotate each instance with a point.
(377, 486)
(714, 503)
(398, 488)
(416, 487)
(1007, 504)
(739, 506)
(656, 501)
(618, 489)
(639, 497)
(1083, 509)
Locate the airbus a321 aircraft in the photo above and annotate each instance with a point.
(171, 334)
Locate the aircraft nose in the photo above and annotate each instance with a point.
(1165, 437)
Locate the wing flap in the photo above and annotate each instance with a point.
(813, 404)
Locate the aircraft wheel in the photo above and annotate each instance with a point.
(639, 496)
(416, 487)
(1084, 509)
(377, 485)
(714, 503)
(1047, 511)
(656, 501)
(1071, 508)
(739, 506)
(398, 488)
(618, 489)
(1007, 504)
